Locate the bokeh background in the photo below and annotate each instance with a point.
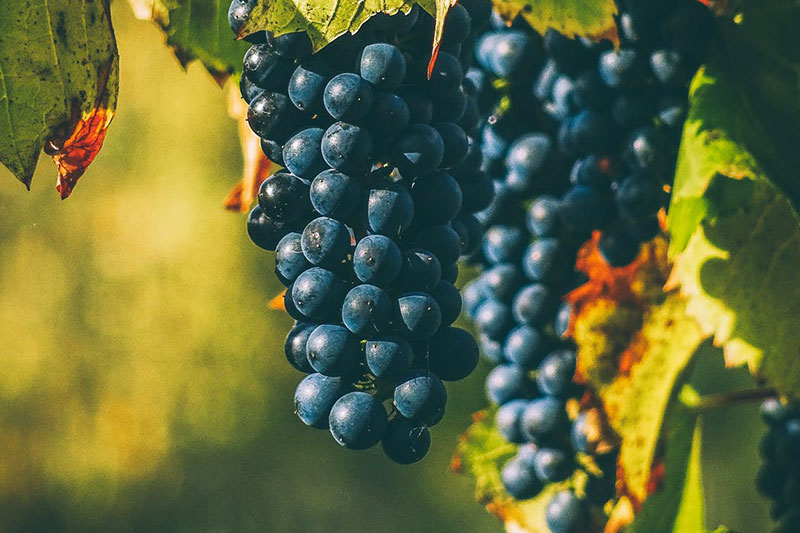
(142, 380)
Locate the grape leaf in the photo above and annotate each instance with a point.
(196, 29)
(744, 116)
(574, 18)
(733, 217)
(635, 344)
(678, 506)
(323, 20)
(739, 275)
(58, 85)
(482, 452)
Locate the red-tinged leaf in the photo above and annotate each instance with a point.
(634, 344)
(277, 303)
(442, 9)
(79, 149)
(257, 167)
(58, 85)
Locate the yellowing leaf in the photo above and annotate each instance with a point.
(323, 20)
(634, 345)
(739, 276)
(574, 18)
(58, 85)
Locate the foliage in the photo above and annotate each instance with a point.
(574, 18)
(733, 218)
(58, 85)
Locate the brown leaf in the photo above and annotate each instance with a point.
(74, 146)
(257, 167)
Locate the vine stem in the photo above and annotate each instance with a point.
(713, 401)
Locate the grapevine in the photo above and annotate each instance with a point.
(587, 210)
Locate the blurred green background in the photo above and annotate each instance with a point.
(142, 380)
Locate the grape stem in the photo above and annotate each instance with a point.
(714, 401)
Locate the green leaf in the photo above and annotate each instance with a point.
(636, 398)
(58, 77)
(739, 275)
(197, 29)
(574, 18)
(677, 506)
(744, 116)
(482, 452)
(323, 20)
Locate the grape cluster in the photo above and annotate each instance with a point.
(779, 477)
(369, 217)
(579, 138)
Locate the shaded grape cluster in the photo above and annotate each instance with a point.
(369, 217)
(579, 138)
(779, 477)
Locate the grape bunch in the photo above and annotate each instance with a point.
(779, 477)
(579, 138)
(369, 217)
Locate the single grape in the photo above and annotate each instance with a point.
(552, 465)
(493, 318)
(366, 309)
(452, 354)
(420, 270)
(544, 261)
(358, 421)
(325, 242)
(290, 261)
(347, 147)
(347, 97)
(318, 294)
(332, 350)
(390, 210)
(307, 85)
(388, 357)
(417, 315)
(419, 150)
(533, 304)
(442, 240)
(544, 418)
(508, 419)
(421, 396)
(505, 383)
(272, 116)
(377, 260)
(447, 296)
(406, 441)
(525, 346)
(315, 396)
(520, 480)
(566, 513)
(264, 231)
(283, 197)
(302, 154)
(437, 198)
(295, 346)
(334, 194)
(554, 375)
(383, 65)
(388, 117)
(503, 244)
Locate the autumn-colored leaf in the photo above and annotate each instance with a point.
(278, 302)
(634, 343)
(58, 85)
(257, 167)
(442, 9)
(593, 19)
